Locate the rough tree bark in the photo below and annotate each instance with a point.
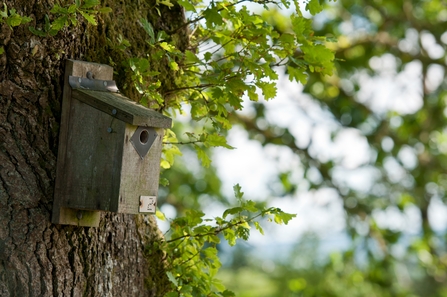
(38, 258)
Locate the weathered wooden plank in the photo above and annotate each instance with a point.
(94, 160)
(126, 110)
(63, 215)
(139, 177)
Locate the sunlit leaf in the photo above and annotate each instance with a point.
(90, 18)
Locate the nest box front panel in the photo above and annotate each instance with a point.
(140, 174)
(94, 159)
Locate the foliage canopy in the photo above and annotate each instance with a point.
(389, 89)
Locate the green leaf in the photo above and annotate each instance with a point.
(53, 32)
(37, 32)
(283, 217)
(235, 101)
(192, 57)
(268, 89)
(90, 18)
(72, 8)
(297, 74)
(167, 3)
(198, 110)
(244, 225)
(149, 30)
(227, 293)
(230, 236)
(161, 35)
(258, 227)
(194, 217)
(217, 93)
(170, 152)
(236, 85)
(237, 191)
(314, 7)
(58, 10)
(172, 278)
(164, 181)
(59, 23)
(14, 20)
(218, 285)
(160, 215)
(4, 13)
(165, 164)
(73, 20)
(26, 19)
(47, 26)
(250, 206)
(89, 3)
(287, 40)
(203, 157)
(320, 57)
(232, 211)
(216, 140)
(208, 56)
(302, 28)
(251, 92)
(213, 17)
(2, 50)
(223, 121)
(105, 10)
(212, 239)
(243, 231)
(187, 5)
(173, 65)
(167, 47)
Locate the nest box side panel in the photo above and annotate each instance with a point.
(62, 215)
(139, 176)
(93, 160)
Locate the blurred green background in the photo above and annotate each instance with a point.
(360, 156)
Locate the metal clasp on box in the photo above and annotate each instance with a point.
(90, 83)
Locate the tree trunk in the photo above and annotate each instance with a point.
(38, 258)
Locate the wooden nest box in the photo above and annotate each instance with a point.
(109, 149)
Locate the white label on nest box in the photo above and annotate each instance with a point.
(148, 204)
